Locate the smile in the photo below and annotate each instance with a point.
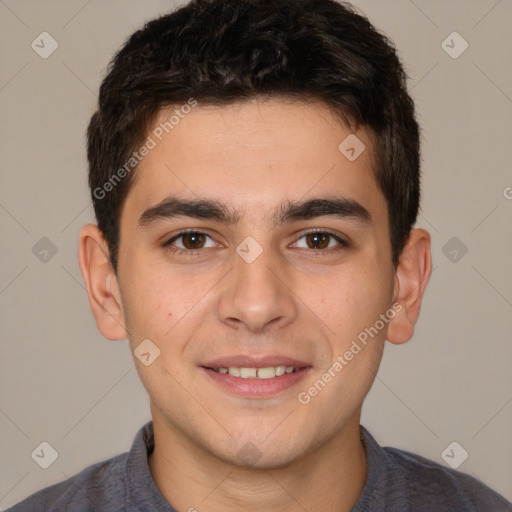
(268, 372)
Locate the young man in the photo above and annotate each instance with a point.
(254, 168)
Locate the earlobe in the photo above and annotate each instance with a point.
(101, 283)
(411, 277)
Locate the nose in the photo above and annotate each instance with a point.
(258, 295)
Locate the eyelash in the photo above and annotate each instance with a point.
(343, 244)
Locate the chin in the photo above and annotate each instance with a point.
(254, 457)
(265, 449)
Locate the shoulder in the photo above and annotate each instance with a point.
(402, 481)
(96, 487)
(430, 484)
(121, 483)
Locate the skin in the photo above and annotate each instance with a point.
(293, 300)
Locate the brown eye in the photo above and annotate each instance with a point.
(188, 241)
(193, 240)
(321, 241)
(318, 240)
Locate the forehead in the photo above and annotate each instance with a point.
(253, 155)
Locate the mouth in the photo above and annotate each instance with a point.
(245, 372)
(251, 377)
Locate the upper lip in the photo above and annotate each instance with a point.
(245, 361)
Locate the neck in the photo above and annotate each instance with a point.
(330, 478)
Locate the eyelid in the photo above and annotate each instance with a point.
(343, 243)
(337, 236)
(178, 235)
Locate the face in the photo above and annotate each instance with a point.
(250, 244)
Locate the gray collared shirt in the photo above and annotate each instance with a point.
(398, 481)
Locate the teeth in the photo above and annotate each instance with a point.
(235, 372)
(268, 372)
(248, 373)
(281, 370)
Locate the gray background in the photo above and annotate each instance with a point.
(62, 383)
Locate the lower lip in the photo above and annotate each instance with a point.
(256, 388)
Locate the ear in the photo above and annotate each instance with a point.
(101, 283)
(411, 277)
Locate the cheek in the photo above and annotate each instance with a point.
(162, 302)
(147, 300)
(355, 300)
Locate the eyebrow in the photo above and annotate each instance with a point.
(288, 211)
